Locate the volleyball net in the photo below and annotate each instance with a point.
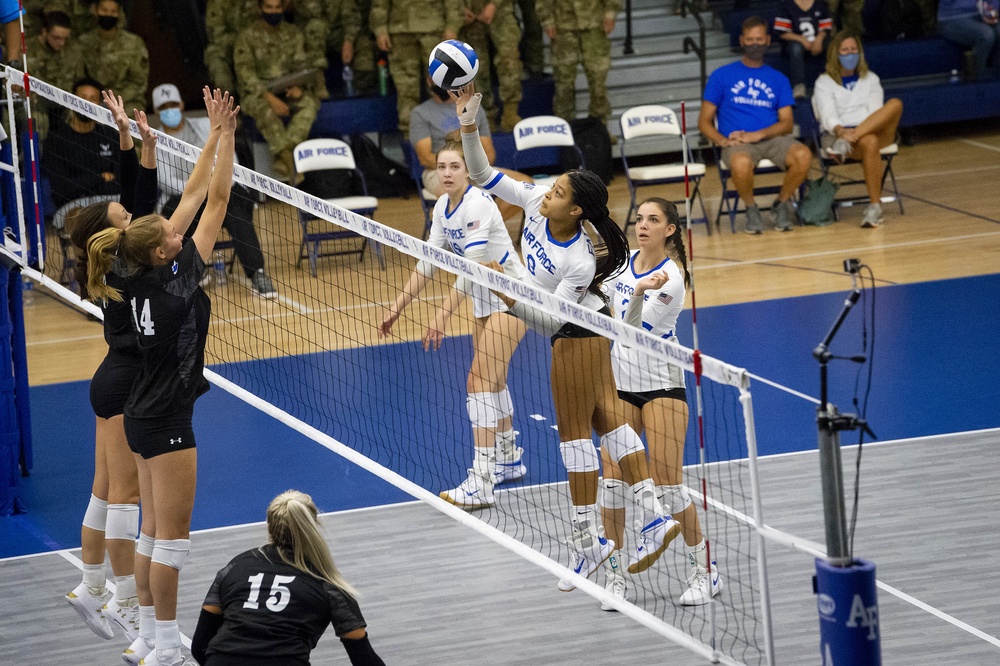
(312, 357)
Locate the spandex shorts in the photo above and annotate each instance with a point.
(156, 436)
(112, 383)
(641, 398)
(571, 330)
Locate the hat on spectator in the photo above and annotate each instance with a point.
(164, 94)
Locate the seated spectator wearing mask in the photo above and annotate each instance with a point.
(116, 57)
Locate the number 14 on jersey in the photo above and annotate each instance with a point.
(143, 321)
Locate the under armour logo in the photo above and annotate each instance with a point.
(175, 441)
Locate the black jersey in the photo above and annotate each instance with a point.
(275, 611)
(118, 331)
(170, 314)
(808, 23)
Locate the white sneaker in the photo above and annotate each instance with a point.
(474, 493)
(615, 587)
(872, 217)
(653, 540)
(703, 584)
(126, 617)
(511, 470)
(90, 609)
(154, 659)
(137, 651)
(587, 552)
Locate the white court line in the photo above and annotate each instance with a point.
(952, 172)
(57, 341)
(979, 144)
(867, 248)
(937, 613)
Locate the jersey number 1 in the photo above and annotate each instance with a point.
(280, 594)
(143, 322)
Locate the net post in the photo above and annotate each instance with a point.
(15, 160)
(758, 516)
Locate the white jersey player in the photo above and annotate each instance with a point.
(649, 294)
(467, 222)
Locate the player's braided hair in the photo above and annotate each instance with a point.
(590, 194)
(675, 241)
(293, 527)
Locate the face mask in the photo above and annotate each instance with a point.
(82, 118)
(272, 19)
(849, 61)
(170, 117)
(755, 51)
(107, 22)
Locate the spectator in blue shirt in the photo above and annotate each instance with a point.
(752, 104)
(974, 25)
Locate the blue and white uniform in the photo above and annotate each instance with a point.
(564, 269)
(475, 230)
(636, 371)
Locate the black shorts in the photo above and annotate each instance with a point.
(164, 434)
(112, 383)
(641, 398)
(571, 330)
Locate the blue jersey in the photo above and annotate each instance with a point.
(748, 98)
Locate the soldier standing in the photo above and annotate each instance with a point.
(270, 48)
(493, 22)
(579, 31)
(116, 57)
(224, 21)
(410, 29)
(330, 28)
(532, 46)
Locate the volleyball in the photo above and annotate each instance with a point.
(453, 64)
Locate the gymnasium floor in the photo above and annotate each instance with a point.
(764, 302)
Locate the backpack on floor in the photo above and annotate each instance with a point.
(591, 136)
(383, 176)
(816, 207)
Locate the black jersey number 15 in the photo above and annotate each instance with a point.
(280, 594)
(143, 320)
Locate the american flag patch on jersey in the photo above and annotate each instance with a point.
(472, 226)
(664, 298)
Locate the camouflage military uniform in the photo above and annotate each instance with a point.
(415, 28)
(120, 63)
(326, 25)
(532, 45)
(579, 36)
(80, 16)
(505, 35)
(58, 68)
(849, 17)
(364, 51)
(262, 53)
(224, 20)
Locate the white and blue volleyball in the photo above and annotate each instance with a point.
(453, 64)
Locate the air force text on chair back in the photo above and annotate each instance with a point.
(543, 129)
(661, 119)
(326, 151)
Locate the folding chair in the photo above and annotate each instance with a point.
(826, 163)
(544, 132)
(427, 198)
(323, 155)
(730, 202)
(653, 120)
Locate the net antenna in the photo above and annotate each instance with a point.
(32, 145)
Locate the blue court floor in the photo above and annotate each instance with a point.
(936, 371)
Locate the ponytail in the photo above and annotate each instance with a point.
(81, 224)
(591, 195)
(102, 250)
(294, 530)
(675, 242)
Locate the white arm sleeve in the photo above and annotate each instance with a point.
(537, 320)
(493, 181)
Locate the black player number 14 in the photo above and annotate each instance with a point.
(280, 594)
(143, 321)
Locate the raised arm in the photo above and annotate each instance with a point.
(117, 108)
(145, 191)
(198, 183)
(221, 180)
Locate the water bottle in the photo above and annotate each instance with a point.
(348, 75)
(954, 78)
(220, 269)
(383, 77)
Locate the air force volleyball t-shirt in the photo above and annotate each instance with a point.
(748, 98)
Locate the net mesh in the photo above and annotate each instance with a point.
(314, 352)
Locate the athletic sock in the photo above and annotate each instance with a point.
(646, 502)
(168, 640)
(483, 462)
(584, 518)
(147, 624)
(506, 446)
(95, 579)
(125, 590)
(697, 555)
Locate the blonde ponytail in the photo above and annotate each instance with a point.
(133, 245)
(102, 249)
(294, 529)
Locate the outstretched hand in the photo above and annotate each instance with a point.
(467, 102)
(652, 282)
(386, 326)
(117, 108)
(213, 105)
(145, 133)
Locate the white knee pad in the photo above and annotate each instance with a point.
(621, 442)
(505, 406)
(96, 517)
(145, 545)
(123, 522)
(675, 498)
(483, 410)
(614, 494)
(171, 553)
(580, 455)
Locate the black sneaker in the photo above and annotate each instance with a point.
(263, 285)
